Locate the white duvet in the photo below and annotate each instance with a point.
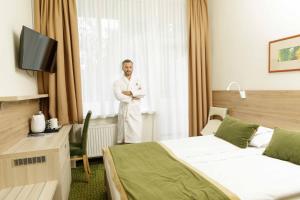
(245, 172)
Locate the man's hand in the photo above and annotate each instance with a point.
(127, 93)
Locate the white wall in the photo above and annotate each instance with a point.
(241, 30)
(13, 81)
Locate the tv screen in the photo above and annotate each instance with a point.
(37, 51)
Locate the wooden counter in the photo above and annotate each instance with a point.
(39, 159)
(49, 141)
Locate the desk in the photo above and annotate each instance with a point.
(39, 159)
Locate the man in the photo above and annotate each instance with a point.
(128, 91)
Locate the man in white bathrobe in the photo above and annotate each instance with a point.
(129, 91)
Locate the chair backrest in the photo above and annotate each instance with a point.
(84, 135)
(217, 111)
(213, 124)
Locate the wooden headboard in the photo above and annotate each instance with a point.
(271, 108)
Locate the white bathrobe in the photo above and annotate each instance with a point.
(129, 117)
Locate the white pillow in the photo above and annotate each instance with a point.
(262, 137)
(262, 129)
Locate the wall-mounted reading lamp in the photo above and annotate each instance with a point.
(242, 92)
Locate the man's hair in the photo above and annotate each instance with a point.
(126, 61)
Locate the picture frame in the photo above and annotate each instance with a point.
(284, 54)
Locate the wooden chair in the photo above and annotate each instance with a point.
(78, 150)
(213, 124)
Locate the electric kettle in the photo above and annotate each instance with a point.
(38, 123)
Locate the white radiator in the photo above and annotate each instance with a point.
(100, 136)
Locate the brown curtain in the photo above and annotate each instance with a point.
(58, 19)
(200, 95)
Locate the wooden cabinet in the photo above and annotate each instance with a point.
(64, 178)
(39, 159)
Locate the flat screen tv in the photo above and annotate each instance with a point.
(37, 51)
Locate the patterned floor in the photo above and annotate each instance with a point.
(94, 190)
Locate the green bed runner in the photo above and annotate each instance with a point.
(148, 172)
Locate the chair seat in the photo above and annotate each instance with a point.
(75, 145)
(76, 149)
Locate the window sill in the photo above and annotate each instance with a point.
(115, 115)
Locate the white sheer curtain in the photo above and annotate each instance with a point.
(152, 33)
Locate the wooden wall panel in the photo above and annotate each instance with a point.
(268, 108)
(15, 121)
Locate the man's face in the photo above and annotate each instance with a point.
(127, 68)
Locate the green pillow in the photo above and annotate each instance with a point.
(284, 145)
(236, 132)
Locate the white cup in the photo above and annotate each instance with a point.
(53, 123)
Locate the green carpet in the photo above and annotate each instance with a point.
(94, 190)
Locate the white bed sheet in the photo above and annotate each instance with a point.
(245, 172)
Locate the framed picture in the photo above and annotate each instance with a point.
(284, 54)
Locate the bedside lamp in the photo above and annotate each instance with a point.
(242, 92)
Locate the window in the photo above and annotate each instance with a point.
(151, 33)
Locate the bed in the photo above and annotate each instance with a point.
(245, 173)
